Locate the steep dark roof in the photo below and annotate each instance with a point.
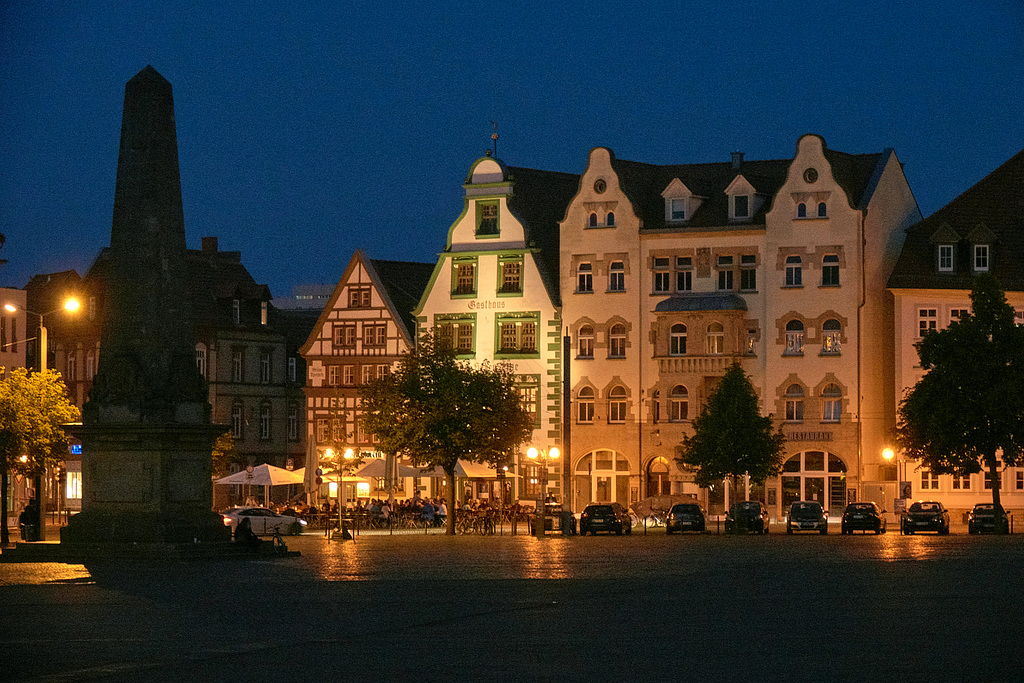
(404, 282)
(644, 183)
(994, 207)
(539, 200)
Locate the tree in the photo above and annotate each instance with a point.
(730, 437)
(967, 411)
(436, 410)
(33, 409)
(224, 455)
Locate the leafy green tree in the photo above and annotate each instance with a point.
(731, 438)
(967, 411)
(436, 410)
(224, 455)
(34, 406)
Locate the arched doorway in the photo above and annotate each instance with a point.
(601, 476)
(815, 475)
(657, 478)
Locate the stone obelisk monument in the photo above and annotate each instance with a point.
(146, 432)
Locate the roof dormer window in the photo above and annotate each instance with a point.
(680, 203)
(677, 209)
(945, 258)
(740, 206)
(981, 258)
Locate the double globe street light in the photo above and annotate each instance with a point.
(543, 457)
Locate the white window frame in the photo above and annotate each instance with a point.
(982, 258)
(945, 258)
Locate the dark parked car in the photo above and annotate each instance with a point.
(984, 518)
(605, 517)
(926, 515)
(685, 517)
(807, 515)
(747, 516)
(863, 517)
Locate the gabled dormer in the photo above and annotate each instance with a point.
(487, 188)
(944, 241)
(680, 203)
(743, 200)
(982, 241)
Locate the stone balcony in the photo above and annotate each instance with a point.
(697, 365)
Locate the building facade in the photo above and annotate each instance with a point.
(494, 296)
(670, 274)
(254, 375)
(981, 231)
(360, 335)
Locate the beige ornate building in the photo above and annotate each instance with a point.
(669, 274)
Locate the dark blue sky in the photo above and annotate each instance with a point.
(304, 134)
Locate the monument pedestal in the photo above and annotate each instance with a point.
(145, 484)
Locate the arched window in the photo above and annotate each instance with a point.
(795, 403)
(617, 277)
(832, 403)
(593, 220)
(610, 220)
(794, 338)
(585, 405)
(679, 404)
(658, 483)
(677, 340)
(794, 272)
(617, 404)
(585, 340)
(585, 278)
(831, 332)
(801, 210)
(617, 341)
(830, 270)
(822, 210)
(716, 339)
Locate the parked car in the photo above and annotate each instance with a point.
(685, 517)
(747, 516)
(926, 515)
(865, 516)
(985, 517)
(263, 521)
(605, 517)
(807, 515)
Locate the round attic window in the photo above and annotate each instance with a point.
(600, 185)
(811, 175)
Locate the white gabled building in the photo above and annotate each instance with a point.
(494, 297)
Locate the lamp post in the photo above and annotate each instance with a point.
(543, 457)
(70, 305)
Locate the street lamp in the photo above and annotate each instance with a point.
(70, 305)
(544, 457)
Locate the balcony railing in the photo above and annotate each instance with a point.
(703, 365)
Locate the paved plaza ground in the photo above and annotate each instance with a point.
(606, 608)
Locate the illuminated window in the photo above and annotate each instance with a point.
(794, 338)
(831, 333)
(716, 339)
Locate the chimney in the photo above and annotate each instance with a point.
(209, 245)
(737, 160)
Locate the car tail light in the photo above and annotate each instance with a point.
(227, 520)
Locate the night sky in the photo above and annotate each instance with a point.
(304, 134)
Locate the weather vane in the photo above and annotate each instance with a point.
(494, 137)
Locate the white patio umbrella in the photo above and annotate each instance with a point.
(263, 475)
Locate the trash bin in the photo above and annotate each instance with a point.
(29, 532)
